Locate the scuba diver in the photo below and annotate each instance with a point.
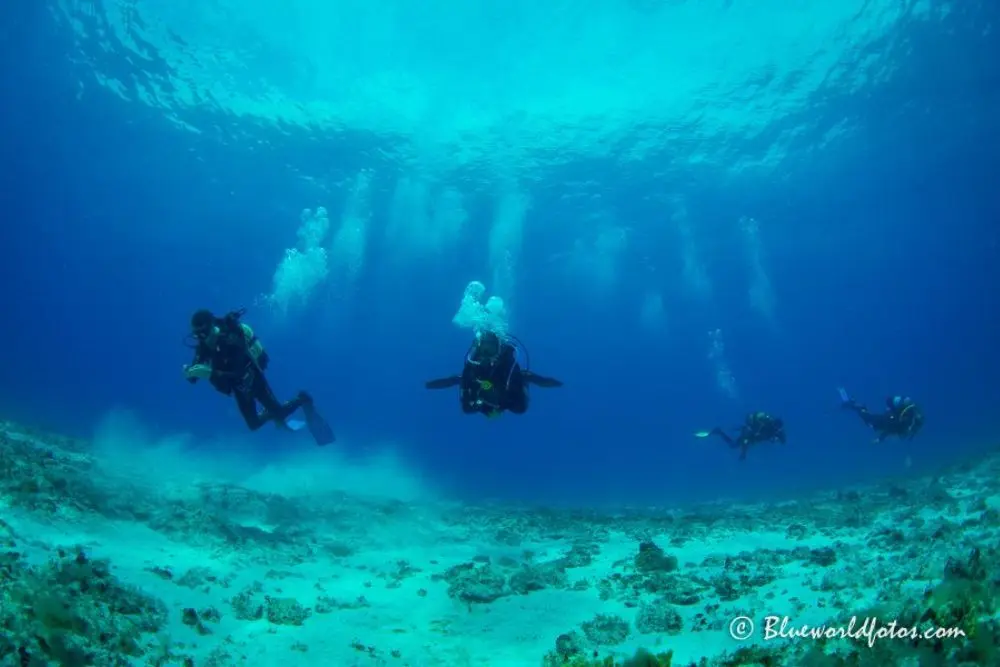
(759, 427)
(229, 355)
(902, 417)
(492, 378)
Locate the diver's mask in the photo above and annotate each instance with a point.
(897, 402)
(208, 335)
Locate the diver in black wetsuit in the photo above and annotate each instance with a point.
(759, 427)
(232, 358)
(902, 417)
(492, 379)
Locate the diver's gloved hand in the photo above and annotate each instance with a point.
(198, 372)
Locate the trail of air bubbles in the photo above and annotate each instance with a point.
(304, 267)
(694, 275)
(423, 223)
(761, 293)
(506, 236)
(724, 378)
(347, 249)
(653, 315)
(595, 261)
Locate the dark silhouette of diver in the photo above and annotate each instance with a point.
(759, 427)
(492, 379)
(902, 417)
(230, 356)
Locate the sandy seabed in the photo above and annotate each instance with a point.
(100, 568)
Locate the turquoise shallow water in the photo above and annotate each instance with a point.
(520, 89)
(109, 565)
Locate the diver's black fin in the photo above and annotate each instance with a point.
(846, 402)
(743, 452)
(318, 427)
(444, 383)
(541, 381)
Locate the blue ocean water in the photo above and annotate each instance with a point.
(817, 186)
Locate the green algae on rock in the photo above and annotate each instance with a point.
(73, 611)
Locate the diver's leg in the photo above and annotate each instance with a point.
(725, 436)
(851, 404)
(273, 409)
(867, 417)
(248, 408)
(871, 420)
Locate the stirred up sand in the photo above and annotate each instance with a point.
(104, 563)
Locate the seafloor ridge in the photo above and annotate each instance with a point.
(98, 569)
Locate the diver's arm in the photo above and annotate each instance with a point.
(444, 383)
(450, 381)
(541, 380)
